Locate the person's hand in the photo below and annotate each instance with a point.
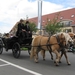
(23, 30)
(29, 32)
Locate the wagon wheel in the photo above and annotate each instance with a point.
(1, 46)
(16, 50)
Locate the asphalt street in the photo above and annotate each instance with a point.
(25, 66)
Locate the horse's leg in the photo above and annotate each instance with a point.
(51, 54)
(43, 54)
(61, 56)
(57, 57)
(66, 58)
(36, 51)
(35, 55)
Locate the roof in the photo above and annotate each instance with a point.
(68, 14)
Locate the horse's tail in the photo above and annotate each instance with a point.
(34, 47)
(32, 50)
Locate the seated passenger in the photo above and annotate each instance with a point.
(20, 30)
(6, 35)
(28, 30)
(9, 41)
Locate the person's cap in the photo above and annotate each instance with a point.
(27, 22)
(21, 20)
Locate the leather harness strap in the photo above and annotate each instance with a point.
(48, 45)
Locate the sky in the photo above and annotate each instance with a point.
(11, 11)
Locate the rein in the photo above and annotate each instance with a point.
(49, 45)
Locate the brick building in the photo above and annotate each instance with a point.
(67, 17)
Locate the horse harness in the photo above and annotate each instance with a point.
(48, 45)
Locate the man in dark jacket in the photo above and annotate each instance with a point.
(21, 32)
(21, 29)
(28, 30)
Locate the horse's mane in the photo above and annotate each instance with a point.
(58, 34)
(67, 37)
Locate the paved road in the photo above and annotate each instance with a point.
(24, 66)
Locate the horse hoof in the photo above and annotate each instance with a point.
(56, 64)
(54, 61)
(43, 59)
(69, 64)
(36, 62)
(59, 61)
(52, 58)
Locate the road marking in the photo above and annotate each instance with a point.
(4, 65)
(17, 66)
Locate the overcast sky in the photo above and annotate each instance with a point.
(12, 11)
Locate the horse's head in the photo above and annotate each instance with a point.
(61, 39)
(69, 40)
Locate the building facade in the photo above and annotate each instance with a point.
(66, 17)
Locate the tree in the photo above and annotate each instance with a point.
(33, 27)
(53, 26)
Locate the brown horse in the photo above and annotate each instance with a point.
(53, 44)
(72, 35)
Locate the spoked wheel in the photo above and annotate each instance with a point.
(16, 50)
(1, 46)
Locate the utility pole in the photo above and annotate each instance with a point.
(40, 15)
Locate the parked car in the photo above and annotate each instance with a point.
(71, 49)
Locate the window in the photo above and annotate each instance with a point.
(67, 24)
(61, 18)
(72, 15)
(43, 21)
(48, 19)
(67, 30)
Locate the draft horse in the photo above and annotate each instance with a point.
(53, 44)
(69, 41)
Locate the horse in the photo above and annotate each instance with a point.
(72, 47)
(71, 38)
(71, 43)
(54, 44)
